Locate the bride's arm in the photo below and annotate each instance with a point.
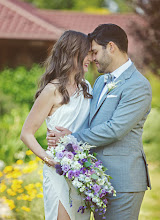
(36, 117)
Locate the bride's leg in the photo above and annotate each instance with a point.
(62, 213)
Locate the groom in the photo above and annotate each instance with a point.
(120, 105)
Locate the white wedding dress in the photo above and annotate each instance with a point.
(55, 187)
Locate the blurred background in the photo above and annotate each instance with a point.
(28, 29)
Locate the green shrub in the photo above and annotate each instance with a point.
(20, 83)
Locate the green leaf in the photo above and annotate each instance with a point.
(104, 169)
(94, 154)
(87, 164)
(110, 177)
(94, 176)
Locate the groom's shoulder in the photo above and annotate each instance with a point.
(139, 80)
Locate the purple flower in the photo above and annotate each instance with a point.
(75, 147)
(92, 171)
(59, 169)
(103, 191)
(76, 173)
(105, 201)
(65, 168)
(59, 155)
(81, 208)
(70, 174)
(69, 155)
(96, 188)
(69, 148)
(83, 170)
(101, 195)
(97, 163)
(88, 198)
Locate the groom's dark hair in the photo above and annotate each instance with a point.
(110, 32)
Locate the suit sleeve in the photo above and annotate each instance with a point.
(133, 106)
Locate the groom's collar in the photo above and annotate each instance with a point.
(127, 74)
(116, 73)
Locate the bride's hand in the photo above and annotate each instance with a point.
(49, 161)
(53, 136)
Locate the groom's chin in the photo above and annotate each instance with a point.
(100, 71)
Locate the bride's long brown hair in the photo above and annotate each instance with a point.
(66, 57)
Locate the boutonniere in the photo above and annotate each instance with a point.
(112, 85)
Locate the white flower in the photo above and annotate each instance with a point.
(76, 183)
(112, 85)
(76, 157)
(66, 160)
(96, 199)
(59, 148)
(82, 189)
(81, 177)
(87, 179)
(68, 139)
(82, 156)
(76, 165)
(56, 159)
(101, 181)
(99, 204)
(90, 195)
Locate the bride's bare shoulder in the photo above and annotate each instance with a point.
(51, 92)
(52, 87)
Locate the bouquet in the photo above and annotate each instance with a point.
(86, 173)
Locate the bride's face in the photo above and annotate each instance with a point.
(87, 61)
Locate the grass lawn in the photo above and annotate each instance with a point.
(150, 209)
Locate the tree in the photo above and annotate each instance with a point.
(66, 4)
(149, 34)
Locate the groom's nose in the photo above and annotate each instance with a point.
(93, 57)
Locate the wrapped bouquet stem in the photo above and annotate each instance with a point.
(85, 172)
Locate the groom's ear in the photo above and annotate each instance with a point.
(111, 47)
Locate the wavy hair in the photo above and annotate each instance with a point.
(66, 57)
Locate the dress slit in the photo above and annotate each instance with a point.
(64, 209)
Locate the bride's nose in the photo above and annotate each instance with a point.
(90, 57)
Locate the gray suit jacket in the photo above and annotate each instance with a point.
(116, 127)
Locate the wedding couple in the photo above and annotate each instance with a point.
(111, 117)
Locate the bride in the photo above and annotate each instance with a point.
(63, 99)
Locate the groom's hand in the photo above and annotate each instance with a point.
(53, 136)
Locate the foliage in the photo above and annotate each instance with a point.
(21, 188)
(81, 5)
(150, 33)
(6, 103)
(123, 6)
(17, 89)
(67, 4)
(20, 83)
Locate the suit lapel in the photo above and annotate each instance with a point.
(121, 80)
(97, 92)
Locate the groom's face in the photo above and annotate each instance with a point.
(101, 57)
